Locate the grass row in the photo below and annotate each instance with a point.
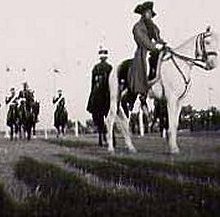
(203, 171)
(202, 199)
(63, 194)
(70, 143)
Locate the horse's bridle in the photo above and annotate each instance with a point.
(201, 57)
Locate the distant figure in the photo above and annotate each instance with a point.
(60, 114)
(26, 94)
(12, 115)
(99, 99)
(28, 111)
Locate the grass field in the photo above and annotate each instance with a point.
(75, 177)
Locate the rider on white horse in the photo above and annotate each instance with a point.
(173, 76)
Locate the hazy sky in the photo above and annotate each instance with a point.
(66, 34)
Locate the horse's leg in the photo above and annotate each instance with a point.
(124, 123)
(109, 125)
(161, 120)
(29, 127)
(34, 130)
(58, 131)
(63, 129)
(100, 126)
(153, 123)
(16, 131)
(173, 124)
(11, 132)
(19, 131)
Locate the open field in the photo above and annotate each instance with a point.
(75, 177)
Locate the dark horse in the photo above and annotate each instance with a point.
(28, 115)
(36, 111)
(127, 100)
(60, 119)
(13, 120)
(160, 112)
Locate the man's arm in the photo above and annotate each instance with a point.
(55, 99)
(93, 78)
(7, 100)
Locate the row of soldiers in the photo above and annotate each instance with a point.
(27, 95)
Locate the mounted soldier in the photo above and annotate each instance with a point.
(27, 95)
(99, 99)
(27, 112)
(12, 115)
(60, 114)
(147, 37)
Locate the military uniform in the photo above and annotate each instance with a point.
(27, 95)
(144, 31)
(60, 107)
(99, 100)
(13, 109)
(61, 102)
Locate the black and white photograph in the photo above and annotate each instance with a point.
(109, 108)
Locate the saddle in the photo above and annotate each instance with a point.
(128, 99)
(153, 60)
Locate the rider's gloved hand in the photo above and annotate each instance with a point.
(159, 46)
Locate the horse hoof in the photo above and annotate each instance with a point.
(133, 150)
(111, 150)
(34, 137)
(175, 150)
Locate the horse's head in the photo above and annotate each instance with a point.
(207, 48)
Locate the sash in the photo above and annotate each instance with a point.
(11, 102)
(58, 101)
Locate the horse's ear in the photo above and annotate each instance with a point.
(208, 29)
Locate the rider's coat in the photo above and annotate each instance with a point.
(13, 109)
(144, 31)
(60, 114)
(99, 99)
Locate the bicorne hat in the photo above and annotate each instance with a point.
(141, 8)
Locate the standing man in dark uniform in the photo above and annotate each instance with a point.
(99, 100)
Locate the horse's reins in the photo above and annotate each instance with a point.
(200, 43)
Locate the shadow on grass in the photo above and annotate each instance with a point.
(70, 143)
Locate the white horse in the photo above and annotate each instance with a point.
(173, 79)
